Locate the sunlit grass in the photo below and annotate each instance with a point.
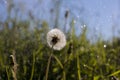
(79, 59)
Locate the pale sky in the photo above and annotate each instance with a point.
(99, 15)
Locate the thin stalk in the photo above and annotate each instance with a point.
(93, 74)
(78, 67)
(14, 67)
(33, 67)
(64, 75)
(8, 77)
(48, 65)
(62, 67)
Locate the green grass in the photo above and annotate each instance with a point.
(80, 59)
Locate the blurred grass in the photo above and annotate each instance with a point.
(95, 61)
(80, 59)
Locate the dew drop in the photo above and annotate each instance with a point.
(84, 26)
(74, 21)
(105, 46)
(81, 26)
(84, 65)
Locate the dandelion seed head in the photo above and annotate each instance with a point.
(56, 39)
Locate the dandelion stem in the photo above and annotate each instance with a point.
(48, 65)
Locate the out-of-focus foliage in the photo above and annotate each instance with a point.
(97, 61)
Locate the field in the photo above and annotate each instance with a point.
(26, 55)
(78, 60)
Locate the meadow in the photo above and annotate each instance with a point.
(25, 53)
(78, 60)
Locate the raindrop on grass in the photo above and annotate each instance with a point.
(84, 26)
(105, 45)
(84, 65)
(74, 21)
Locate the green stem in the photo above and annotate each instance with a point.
(48, 65)
(64, 75)
(62, 67)
(59, 62)
(33, 67)
(78, 67)
(7, 73)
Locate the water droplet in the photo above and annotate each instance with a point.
(84, 65)
(84, 26)
(105, 46)
(74, 21)
(81, 26)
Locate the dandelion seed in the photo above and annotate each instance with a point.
(56, 39)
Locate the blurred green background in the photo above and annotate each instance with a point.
(84, 58)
